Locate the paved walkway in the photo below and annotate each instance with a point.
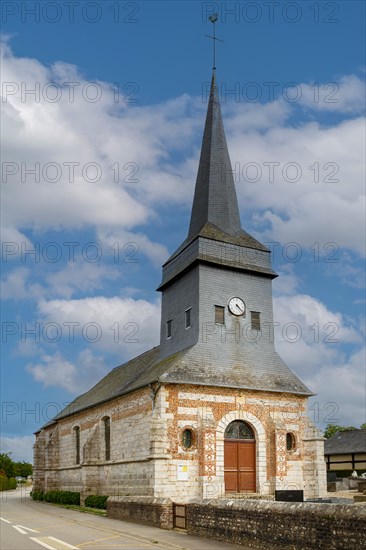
(29, 525)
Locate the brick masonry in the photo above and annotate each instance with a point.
(147, 451)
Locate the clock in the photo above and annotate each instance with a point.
(236, 306)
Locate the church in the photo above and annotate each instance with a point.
(213, 411)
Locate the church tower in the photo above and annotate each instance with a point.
(216, 287)
(213, 411)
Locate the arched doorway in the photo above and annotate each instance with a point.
(239, 458)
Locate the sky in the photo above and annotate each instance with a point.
(103, 106)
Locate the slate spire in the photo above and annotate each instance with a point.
(215, 200)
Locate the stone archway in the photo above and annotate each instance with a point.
(239, 458)
(262, 485)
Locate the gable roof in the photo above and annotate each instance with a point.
(184, 367)
(348, 441)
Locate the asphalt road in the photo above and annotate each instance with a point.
(29, 525)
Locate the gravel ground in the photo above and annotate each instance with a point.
(347, 494)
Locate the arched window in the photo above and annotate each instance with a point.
(107, 437)
(290, 442)
(77, 444)
(239, 430)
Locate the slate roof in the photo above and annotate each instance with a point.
(215, 212)
(184, 367)
(215, 198)
(350, 441)
(215, 216)
(210, 231)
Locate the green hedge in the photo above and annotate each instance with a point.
(62, 497)
(7, 483)
(96, 501)
(37, 495)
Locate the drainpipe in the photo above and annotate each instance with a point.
(153, 394)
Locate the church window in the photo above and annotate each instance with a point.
(239, 430)
(219, 315)
(290, 442)
(187, 438)
(77, 444)
(169, 329)
(188, 318)
(107, 437)
(255, 320)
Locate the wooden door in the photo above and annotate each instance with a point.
(239, 466)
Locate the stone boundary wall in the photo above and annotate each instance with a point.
(147, 510)
(264, 525)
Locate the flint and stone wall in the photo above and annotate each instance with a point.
(264, 525)
(147, 457)
(147, 510)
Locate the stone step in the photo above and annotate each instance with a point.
(249, 496)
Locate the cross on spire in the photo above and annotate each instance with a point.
(213, 18)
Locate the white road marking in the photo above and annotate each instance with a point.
(65, 544)
(23, 530)
(57, 544)
(5, 520)
(42, 543)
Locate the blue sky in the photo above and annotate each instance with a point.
(112, 133)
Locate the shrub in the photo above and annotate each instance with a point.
(62, 497)
(37, 495)
(96, 501)
(7, 483)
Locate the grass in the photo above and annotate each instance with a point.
(85, 509)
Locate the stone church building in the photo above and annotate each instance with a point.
(213, 410)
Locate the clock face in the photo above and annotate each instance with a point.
(236, 306)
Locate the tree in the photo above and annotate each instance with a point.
(363, 426)
(23, 469)
(6, 464)
(332, 429)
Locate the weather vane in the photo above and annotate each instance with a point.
(213, 18)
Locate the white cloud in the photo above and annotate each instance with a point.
(345, 95)
(342, 396)
(121, 325)
(79, 276)
(14, 244)
(14, 285)
(307, 312)
(310, 338)
(287, 282)
(127, 247)
(21, 447)
(129, 145)
(76, 377)
(313, 208)
(246, 117)
(156, 150)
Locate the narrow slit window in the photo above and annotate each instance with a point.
(255, 320)
(188, 318)
(220, 315)
(290, 442)
(77, 444)
(169, 329)
(107, 437)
